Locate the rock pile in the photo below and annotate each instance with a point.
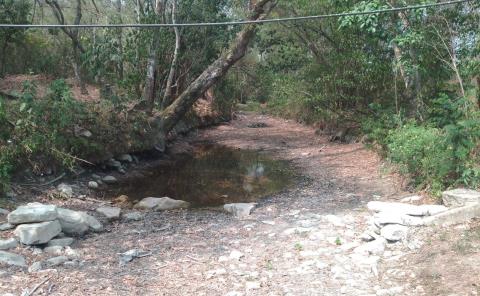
(392, 220)
(42, 225)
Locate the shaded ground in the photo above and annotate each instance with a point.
(297, 242)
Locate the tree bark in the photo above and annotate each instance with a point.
(173, 113)
(120, 41)
(168, 97)
(73, 35)
(149, 91)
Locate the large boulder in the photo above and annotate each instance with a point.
(77, 223)
(454, 216)
(161, 204)
(240, 210)
(406, 209)
(460, 197)
(32, 213)
(12, 259)
(37, 233)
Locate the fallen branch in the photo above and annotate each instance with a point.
(73, 157)
(28, 293)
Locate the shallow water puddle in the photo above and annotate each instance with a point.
(212, 175)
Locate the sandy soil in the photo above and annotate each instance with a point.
(297, 242)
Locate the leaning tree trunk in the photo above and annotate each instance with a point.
(176, 111)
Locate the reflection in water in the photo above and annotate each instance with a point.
(213, 175)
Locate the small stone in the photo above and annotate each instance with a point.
(37, 233)
(31, 213)
(133, 216)
(252, 286)
(236, 255)
(109, 180)
(71, 252)
(36, 266)
(394, 232)
(62, 242)
(125, 158)
(66, 190)
(376, 247)
(96, 177)
(460, 197)
(73, 263)
(111, 213)
(4, 212)
(240, 210)
(93, 185)
(12, 259)
(390, 292)
(6, 226)
(55, 250)
(114, 163)
(55, 261)
(161, 204)
(8, 244)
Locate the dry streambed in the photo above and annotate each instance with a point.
(324, 236)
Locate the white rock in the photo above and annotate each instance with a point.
(390, 292)
(252, 286)
(236, 255)
(36, 266)
(77, 223)
(239, 210)
(62, 242)
(133, 216)
(406, 209)
(33, 212)
(12, 259)
(460, 197)
(55, 261)
(71, 252)
(110, 213)
(161, 204)
(384, 218)
(93, 185)
(8, 244)
(376, 247)
(394, 232)
(109, 180)
(65, 189)
(37, 233)
(55, 250)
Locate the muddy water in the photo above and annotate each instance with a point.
(213, 175)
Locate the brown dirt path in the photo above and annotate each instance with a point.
(297, 242)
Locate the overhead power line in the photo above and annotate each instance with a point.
(236, 23)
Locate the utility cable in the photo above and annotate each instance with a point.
(237, 23)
